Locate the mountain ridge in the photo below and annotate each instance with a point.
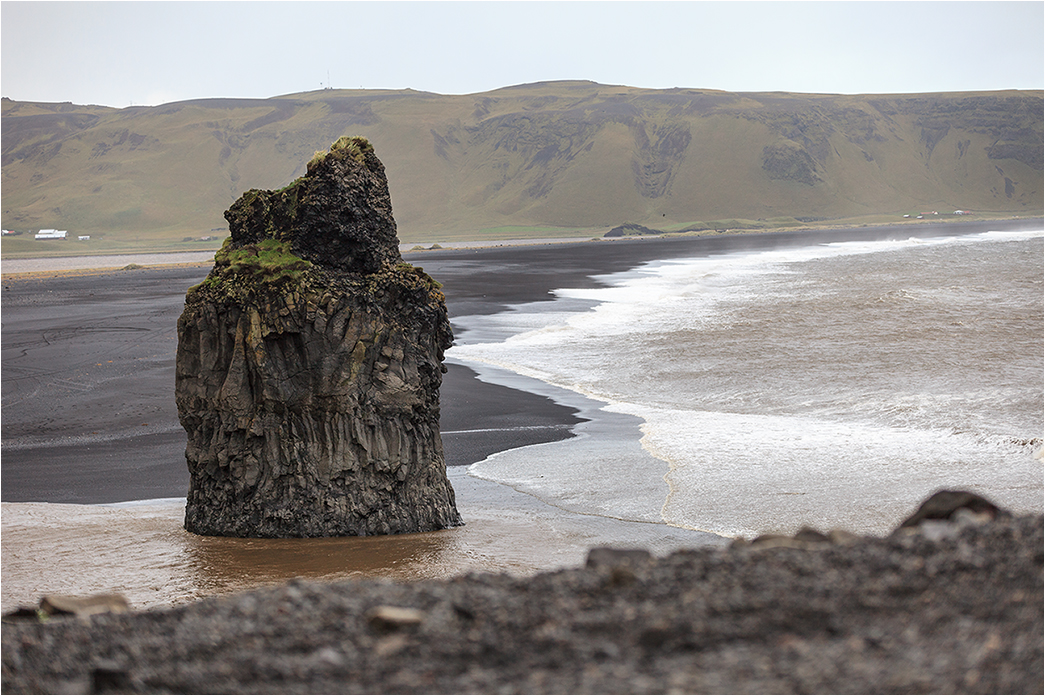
(566, 155)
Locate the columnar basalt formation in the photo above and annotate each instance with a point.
(309, 364)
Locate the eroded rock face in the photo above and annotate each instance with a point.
(309, 364)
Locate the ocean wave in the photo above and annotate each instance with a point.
(902, 365)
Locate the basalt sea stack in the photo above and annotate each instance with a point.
(309, 364)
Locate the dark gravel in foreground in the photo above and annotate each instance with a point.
(949, 607)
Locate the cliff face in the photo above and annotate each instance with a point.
(309, 364)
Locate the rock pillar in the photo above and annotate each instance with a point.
(309, 364)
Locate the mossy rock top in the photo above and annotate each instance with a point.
(259, 274)
(355, 147)
(338, 215)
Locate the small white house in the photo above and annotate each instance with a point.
(84, 237)
(51, 234)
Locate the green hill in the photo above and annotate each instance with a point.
(557, 158)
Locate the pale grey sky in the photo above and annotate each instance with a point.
(123, 53)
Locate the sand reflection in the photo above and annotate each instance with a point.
(143, 552)
(226, 565)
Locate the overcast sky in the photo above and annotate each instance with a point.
(124, 53)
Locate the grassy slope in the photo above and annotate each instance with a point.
(550, 159)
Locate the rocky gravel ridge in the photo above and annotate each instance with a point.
(943, 606)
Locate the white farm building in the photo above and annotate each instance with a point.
(51, 234)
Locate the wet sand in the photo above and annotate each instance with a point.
(142, 552)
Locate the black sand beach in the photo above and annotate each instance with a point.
(88, 359)
(88, 375)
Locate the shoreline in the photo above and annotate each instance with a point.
(89, 414)
(546, 471)
(89, 418)
(109, 357)
(36, 265)
(71, 437)
(93, 359)
(140, 550)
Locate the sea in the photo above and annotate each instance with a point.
(832, 386)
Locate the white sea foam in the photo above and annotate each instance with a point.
(835, 384)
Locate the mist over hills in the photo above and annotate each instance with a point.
(555, 156)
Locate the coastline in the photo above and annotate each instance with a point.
(33, 266)
(88, 410)
(71, 361)
(63, 345)
(108, 357)
(89, 421)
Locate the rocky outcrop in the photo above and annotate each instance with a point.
(790, 162)
(309, 364)
(631, 229)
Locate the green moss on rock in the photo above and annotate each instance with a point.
(356, 147)
(240, 272)
(270, 260)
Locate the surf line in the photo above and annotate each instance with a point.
(501, 430)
